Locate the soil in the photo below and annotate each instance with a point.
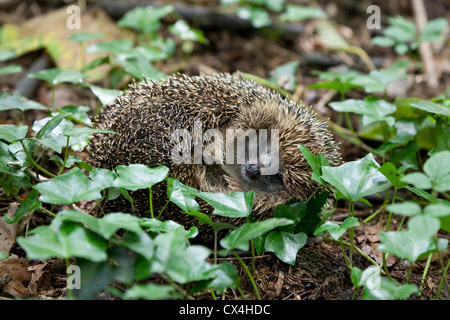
(320, 272)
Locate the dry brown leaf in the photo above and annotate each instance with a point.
(50, 31)
(8, 231)
(16, 268)
(40, 283)
(369, 240)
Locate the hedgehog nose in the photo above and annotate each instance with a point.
(252, 171)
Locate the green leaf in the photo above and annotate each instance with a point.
(369, 277)
(424, 226)
(70, 240)
(55, 76)
(372, 110)
(407, 208)
(10, 69)
(182, 195)
(79, 114)
(48, 126)
(105, 96)
(295, 212)
(186, 33)
(284, 75)
(28, 204)
(407, 244)
(77, 131)
(357, 179)
(226, 276)
(433, 30)
(433, 107)
(149, 291)
(285, 245)
(69, 188)
(313, 214)
(437, 210)
(418, 180)
(389, 290)
(235, 205)
(105, 227)
(442, 134)
(406, 156)
(19, 102)
(438, 170)
(10, 132)
(240, 237)
(316, 163)
(181, 263)
(145, 19)
(84, 36)
(257, 16)
(405, 131)
(138, 176)
(103, 177)
(139, 242)
(382, 41)
(299, 13)
(342, 87)
(389, 170)
(400, 29)
(121, 46)
(335, 230)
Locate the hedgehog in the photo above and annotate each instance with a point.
(157, 122)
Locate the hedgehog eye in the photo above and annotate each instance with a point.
(252, 171)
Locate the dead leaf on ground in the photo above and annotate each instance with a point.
(40, 284)
(8, 231)
(15, 268)
(369, 239)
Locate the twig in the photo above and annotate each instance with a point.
(426, 52)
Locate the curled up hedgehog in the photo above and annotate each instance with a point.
(215, 133)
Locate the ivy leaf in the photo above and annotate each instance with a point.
(10, 132)
(409, 245)
(182, 195)
(240, 237)
(69, 188)
(285, 245)
(70, 240)
(438, 170)
(357, 179)
(19, 102)
(30, 203)
(388, 290)
(335, 230)
(226, 276)
(235, 205)
(56, 76)
(181, 263)
(316, 163)
(137, 176)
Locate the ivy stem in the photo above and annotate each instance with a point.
(443, 279)
(350, 235)
(163, 208)
(151, 202)
(47, 211)
(258, 296)
(34, 162)
(425, 271)
(66, 155)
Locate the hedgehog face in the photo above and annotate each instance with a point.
(258, 168)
